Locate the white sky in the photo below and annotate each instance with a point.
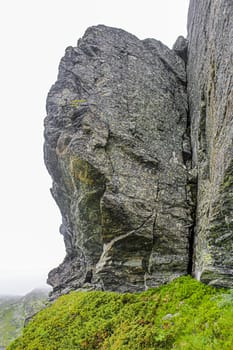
(34, 35)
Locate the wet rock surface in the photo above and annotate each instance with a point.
(117, 147)
(210, 89)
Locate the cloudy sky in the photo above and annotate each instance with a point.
(34, 35)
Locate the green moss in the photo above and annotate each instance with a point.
(184, 314)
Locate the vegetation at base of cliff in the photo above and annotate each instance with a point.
(185, 314)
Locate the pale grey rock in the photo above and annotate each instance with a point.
(181, 48)
(210, 87)
(118, 150)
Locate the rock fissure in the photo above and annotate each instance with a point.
(154, 228)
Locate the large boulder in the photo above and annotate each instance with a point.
(117, 147)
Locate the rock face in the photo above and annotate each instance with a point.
(210, 89)
(117, 147)
(141, 159)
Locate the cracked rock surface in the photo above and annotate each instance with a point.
(210, 90)
(118, 151)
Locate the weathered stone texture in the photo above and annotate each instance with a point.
(210, 89)
(117, 149)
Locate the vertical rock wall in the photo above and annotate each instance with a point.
(210, 90)
(117, 145)
(117, 148)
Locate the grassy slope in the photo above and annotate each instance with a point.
(14, 310)
(10, 319)
(184, 314)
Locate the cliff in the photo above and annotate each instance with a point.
(115, 135)
(210, 91)
(140, 156)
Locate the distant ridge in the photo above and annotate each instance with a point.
(14, 310)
